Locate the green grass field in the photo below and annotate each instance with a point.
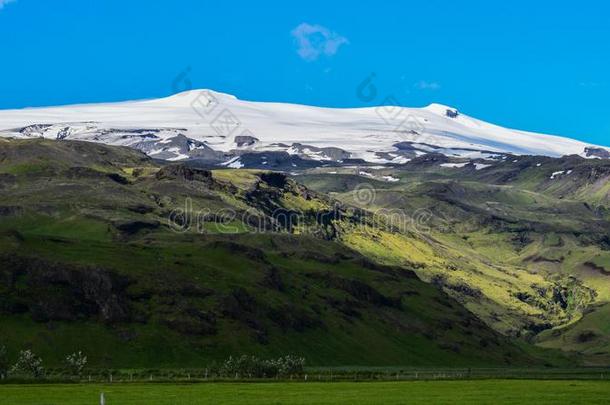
(435, 392)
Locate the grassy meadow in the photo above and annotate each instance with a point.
(416, 392)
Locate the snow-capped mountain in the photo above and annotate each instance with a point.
(220, 129)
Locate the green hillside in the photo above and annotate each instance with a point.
(523, 247)
(140, 264)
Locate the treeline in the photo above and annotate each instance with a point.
(254, 367)
(30, 366)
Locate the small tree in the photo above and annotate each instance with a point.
(290, 365)
(4, 365)
(28, 364)
(254, 367)
(247, 367)
(76, 363)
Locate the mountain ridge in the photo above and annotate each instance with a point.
(219, 129)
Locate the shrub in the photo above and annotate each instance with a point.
(246, 366)
(75, 363)
(4, 365)
(254, 367)
(28, 364)
(290, 365)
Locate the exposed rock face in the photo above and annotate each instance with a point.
(274, 179)
(276, 161)
(34, 130)
(315, 153)
(88, 173)
(178, 147)
(361, 292)
(56, 292)
(133, 227)
(413, 146)
(597, 152)
(452, 113)
(184, 172)
(49, 291)
(243, 141)
(430, 159)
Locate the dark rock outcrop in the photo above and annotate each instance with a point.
(52, 291)
(597, 152)
(243, 141)
(452, 113)
(183, 172)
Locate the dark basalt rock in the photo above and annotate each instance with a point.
(429, 159)
(451, 113)
(245, 140)
(132, 227)
(413, 146)
(441, 282)
(10, 210)
(178, 145)
(347, 307)
(140, 209)
(274, 179)
(241, 306)
(597, 152)
(397, 272)
(277, 161)
(251, 253)
(88, 173)
(354, 161)
(55, 292)
(601, 269)
(183, 172)
(586, 336)
(357, 289)
(291, 317)
(34, 130)
(117, 178)
(537, 328)
(332, 153)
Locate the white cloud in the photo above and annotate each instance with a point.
(424, 85)
(5, 2)
(315, 40)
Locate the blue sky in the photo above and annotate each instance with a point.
(535, 65)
